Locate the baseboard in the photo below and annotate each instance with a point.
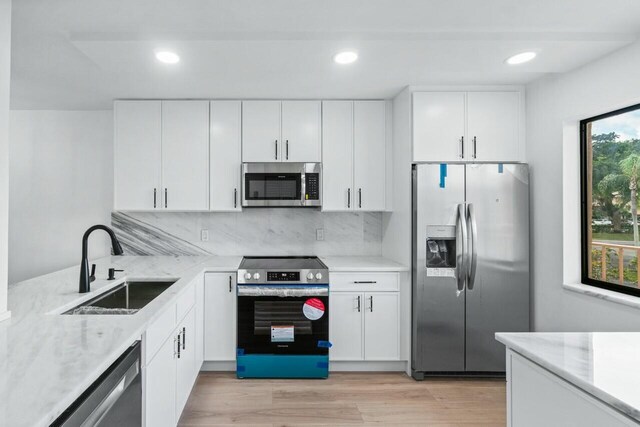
(334, 366)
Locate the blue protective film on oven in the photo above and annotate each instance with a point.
(282, 366)
(324, 344)
(443, 174)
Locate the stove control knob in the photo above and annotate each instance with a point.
(247, 276)
(256, 276)
(318, 276)
(310, 276)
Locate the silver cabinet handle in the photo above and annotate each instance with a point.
(358, 303)
(276, 149)
(471, 216)
(360, 198)
(371, 306)
(230, 288)
(365, 281)
(155, 197)
(348, 198)
(235, 197)
(462, 147)
(165, 197)
(287, 148)
(184, 338)
(475, 147)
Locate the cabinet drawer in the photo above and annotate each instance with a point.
(364, 281)
(185, 302)
(158, 332)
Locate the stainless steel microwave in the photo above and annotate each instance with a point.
(282, 184)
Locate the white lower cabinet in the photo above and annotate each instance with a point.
(220, 317)
(171, 372)
(364, 325)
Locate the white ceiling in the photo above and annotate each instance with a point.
(81, 54)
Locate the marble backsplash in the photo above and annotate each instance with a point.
(250, 232)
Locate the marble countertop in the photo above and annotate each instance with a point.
(603, 364)
(47, 360)
(364, 263)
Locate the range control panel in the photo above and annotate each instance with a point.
(312, 183)
(283, 276)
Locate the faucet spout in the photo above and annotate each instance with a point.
(85, 278)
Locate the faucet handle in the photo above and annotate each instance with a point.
(92, 277)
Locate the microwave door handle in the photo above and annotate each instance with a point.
(461, 223)
(473, 242)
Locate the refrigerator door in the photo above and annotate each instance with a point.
(438, 291)
(498, 271)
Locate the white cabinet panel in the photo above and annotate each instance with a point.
(370, 155)
(438, 126)
(225, 155)
(346, 325)
(137, 135)
(199, 306)
(301, 131)
(185, 155)
(381, 330)
(365, 281)
(186, 360)
(160, 387)
(261, 131)
(493, 126)
(220, 317)
(337, 156)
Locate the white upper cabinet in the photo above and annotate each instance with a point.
(185, 155)
(301, 131)
(438, 126)
(369, 142)
(467, 126)
(493, 125)
(225, 155)
(261, 134)
(337, 155)
(137, 152)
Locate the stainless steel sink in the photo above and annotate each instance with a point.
(126, 298)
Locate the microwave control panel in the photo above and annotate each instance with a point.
(312, 182)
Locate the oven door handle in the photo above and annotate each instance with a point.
(270, 291)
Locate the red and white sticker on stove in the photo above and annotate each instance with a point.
(313, 309)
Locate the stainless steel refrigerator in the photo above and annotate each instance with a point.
(470, 265)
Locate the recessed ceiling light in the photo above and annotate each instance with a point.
(167, 57)
(520, 58)
(346, 57)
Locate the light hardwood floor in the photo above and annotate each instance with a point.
(383, 399)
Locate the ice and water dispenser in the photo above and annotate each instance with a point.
(441, 251)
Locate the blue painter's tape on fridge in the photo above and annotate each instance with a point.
(324, 344)
(500, 168)
(282, 366)
(240, 368)
(239, 351)
(443, 174)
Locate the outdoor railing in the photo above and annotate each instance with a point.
(620, 250)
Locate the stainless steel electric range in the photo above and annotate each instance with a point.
(283, 318)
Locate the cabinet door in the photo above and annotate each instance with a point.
(493, 121)
(261, 131)
(226, 155)
(381, 326)
(346, 325)
(199, 305)
(337, 156)
(439, 126)
(301, 131)
(369, 138)
(186, 372)
(137, 136)
(220, 317)
(185, 155)
(160, 387)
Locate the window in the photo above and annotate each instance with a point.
(610, 191)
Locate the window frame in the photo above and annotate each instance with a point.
(584, 226)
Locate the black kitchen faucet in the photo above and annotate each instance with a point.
(85, 278)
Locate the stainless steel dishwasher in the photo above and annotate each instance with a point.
(114, 399)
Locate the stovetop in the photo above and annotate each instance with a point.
(282, 270)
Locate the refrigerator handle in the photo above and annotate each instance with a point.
(473, 243)
(461, 257)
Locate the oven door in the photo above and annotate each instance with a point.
(291, 320)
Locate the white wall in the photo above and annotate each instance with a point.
(61, 166)
(554, 106)
(5, 69)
